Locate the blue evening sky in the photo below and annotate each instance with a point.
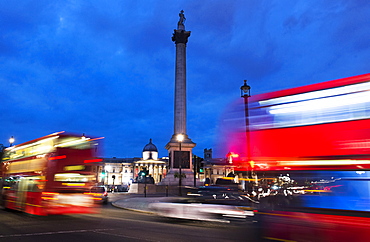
(106, 67)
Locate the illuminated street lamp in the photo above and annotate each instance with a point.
(11, 141)
(180, 139)
(245, 92)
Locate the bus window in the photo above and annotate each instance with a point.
(72, 177)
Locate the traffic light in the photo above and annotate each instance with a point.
(199, 166)
(103, 174)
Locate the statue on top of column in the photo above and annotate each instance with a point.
(182, 20)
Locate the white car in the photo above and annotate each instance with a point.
(201, 211)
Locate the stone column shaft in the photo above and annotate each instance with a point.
(180, 90)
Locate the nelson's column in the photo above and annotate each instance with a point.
(180, 146)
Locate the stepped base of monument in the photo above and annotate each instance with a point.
(172, 179)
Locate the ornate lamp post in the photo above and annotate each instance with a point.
(180, 138)
(11, 141)
(245, 93)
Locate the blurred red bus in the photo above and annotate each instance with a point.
(50, 175)
(315, 142)
(324, 125)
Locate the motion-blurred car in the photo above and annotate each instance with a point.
(193, 209)
(100, 194)
(122, 188)
(118, 188)
(221, 195)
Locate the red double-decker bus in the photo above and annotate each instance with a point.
(50, 175)
(310, 160)
(320, 125)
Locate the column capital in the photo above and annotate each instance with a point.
(180, 36)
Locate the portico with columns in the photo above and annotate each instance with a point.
(157, 168)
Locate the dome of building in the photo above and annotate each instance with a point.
(150, 151)
(150, 147)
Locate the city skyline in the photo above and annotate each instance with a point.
(108, 68)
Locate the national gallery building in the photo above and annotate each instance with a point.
(122, 171)
(117, 171)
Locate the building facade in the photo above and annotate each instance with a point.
(216, 168)
(123, 171)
